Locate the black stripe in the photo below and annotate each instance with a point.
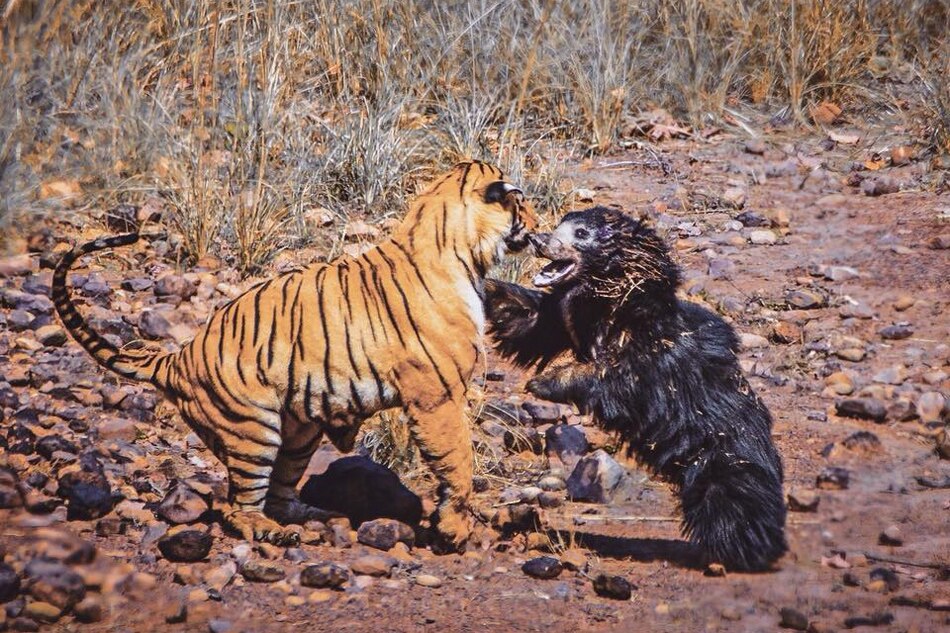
(415, 268)
(463, 180)
(320, 283)
(381, 292)
(272, 338)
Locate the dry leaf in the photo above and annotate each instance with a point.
(825, 113)
(875, 162)
(902, 155)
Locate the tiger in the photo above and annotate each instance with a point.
(316, 351)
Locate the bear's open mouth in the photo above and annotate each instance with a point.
(555, 272)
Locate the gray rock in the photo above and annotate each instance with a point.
(721, 268)
(9, 583)
(137, 284)
(613, 587)
(762, 237)
(833, 478)
(218, 625)
(384, 533)
(862, 408)
(542, 412)
(932, 407)
(595, 478)
(262, 571)
(566, 442)
(543, 567)
(182, 505)
(793, 619)
(51, 335)
(805, 299)
(186, 546)
(892, 536)
(154, 325)
(897, 331)
(53, 582)
(174, 286)
(323, 575)
(373, 565)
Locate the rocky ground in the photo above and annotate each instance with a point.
(829, 256)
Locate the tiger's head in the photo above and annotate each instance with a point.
(473, 208)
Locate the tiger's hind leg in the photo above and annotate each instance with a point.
(249, 450)
(282, 502)
(440, 428)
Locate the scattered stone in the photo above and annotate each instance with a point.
(595, 478)
(853, 354)
(833, 478)
(856, 311)
(53, 582)
(753, 219)
(9, 583)
(839, 273)
(177, 614)
(896, 332)
(565, 442)
(542, 412)
(260, 571)
(803, 500)
(932, 407)
(862, 442)
(324, 575)
(904, 302)
(881, 618)
(715, 570)
(902, 410)
(943, 444)
(42, 611)
(550, 500)
(51, 335)
(584, 195)
(428, 580)
(50, 444)
(734, 197)
(786, 332)
(362, 490)
(763, 237)
(373, 565)
(749, 341)
(182, 505)
(384, 533)
(755, 146)
(16, 265)
(793, 619)
(186, 546)
(721, 268)
(543, 567)
(879, 186)
(174, 286)
(10, 496)
(805, 299)
(891, 536)
(89, 610)
(551, 483)
(613, 587)
(154, 325)
(862, 408)
(840, 383)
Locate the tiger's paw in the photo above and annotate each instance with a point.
(452, 528)
(252, 525)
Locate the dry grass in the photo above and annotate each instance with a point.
(245, 113)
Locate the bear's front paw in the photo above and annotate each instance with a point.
(542, 388)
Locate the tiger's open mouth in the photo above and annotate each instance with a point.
(555, 273)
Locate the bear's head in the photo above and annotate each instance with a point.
(602, 252)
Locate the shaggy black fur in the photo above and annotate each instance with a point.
(659, 371)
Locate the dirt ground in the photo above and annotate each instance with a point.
(867, 261)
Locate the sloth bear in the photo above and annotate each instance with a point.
(660, 372)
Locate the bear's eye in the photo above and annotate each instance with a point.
(581, 233)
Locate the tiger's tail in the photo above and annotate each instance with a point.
(140, 364)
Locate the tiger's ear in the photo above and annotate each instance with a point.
(498, 191)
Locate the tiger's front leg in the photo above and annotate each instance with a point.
(440, 428)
